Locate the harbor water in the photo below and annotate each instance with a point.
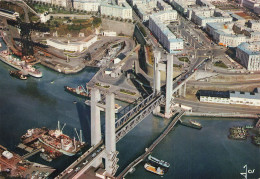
(205, 153)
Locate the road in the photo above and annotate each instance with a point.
(217, 108)
(81, 162)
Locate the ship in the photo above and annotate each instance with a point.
(61, 142)
(193, 124)
(33, 134)
(18, 74)
(45, 157)
(19, 65)
(153, 169)
(79, 91)
(159, 162)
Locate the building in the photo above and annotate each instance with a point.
(233, 97)
(73, 46)
(249, 55)
(109, 33)
(158, 25)
(87, 5)
(251, 4)
(122, 10)
(44, 17)
(223, 34)
(254, 25)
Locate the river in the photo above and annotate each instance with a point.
(206, 153)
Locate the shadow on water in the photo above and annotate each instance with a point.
(84, 119)
(31, 89)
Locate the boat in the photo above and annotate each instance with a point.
(46, 157)
(33, 134)
(159, 162)
(156, 170)
(18, 74)
(19, 65)
(79, 91)
(193, 124)
(61, 142)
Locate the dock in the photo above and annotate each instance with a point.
(150, 149)
(25, 147)
(32, 153)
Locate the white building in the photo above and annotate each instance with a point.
(223, 34)
(157, 24)
(87, 5)
(122, 10)
(254, 25)
(249, 54)
(233, 97)
(73, 46)
(109, 33)
(44, 17)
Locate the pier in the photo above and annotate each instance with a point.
(31, 153)
(258, 122)
(150, 149)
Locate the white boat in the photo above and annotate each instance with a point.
(19, 65)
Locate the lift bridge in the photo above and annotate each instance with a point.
(127, 119)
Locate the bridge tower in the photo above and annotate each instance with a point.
(95, 122)
(110, 136)
(169, 84)
(156, 77)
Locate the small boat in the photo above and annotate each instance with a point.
(153, 169)
(159, 162)
(52, 82)
(46, 157)
(192, 124)
(18, 74)
(79, 91)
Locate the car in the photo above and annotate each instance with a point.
(77, 169)
(98, 150)
(93, 155)
(70, 170)
(84, 163)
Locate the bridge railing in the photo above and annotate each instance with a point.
(120, 122)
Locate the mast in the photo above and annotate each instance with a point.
(77, 133)
(80, 135)
(59, 125)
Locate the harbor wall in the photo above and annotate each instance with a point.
(227, 115)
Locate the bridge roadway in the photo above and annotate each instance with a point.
(87, 156)
(150, 149)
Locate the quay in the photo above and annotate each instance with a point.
(31, 153)
(150, 149)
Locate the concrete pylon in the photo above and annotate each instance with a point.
(169, 84)
(157, 73)
(95, 117)
(95, 122)
(157, 77)
(110, 131)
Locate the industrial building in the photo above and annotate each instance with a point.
(230, 97)
(73, 46)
